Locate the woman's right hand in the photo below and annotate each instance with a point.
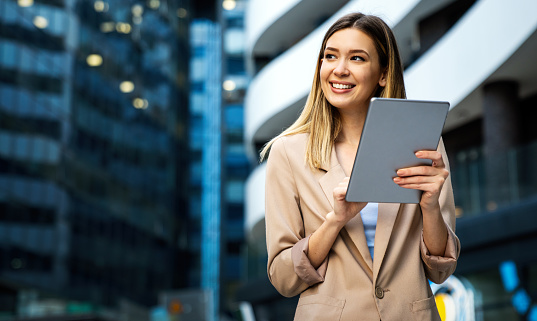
(321, 241)
(344, 211)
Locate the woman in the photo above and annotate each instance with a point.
(354, 261)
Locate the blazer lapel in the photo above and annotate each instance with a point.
(333, 176)
(354, 228)
(386, 219)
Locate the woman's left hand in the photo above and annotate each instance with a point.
(429, 179)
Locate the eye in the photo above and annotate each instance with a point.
(329, 56)
(357, 58)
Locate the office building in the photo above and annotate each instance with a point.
(219, 166)
(236, 164)
(93, 134)
(206, 144)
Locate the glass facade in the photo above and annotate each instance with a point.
(206, 142)
(93, 129)
(219, 165)
(236, 164)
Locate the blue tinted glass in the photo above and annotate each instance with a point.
(509, 274)
(234, 117)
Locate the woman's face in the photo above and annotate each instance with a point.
(350, 70)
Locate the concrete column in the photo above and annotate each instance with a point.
(500, 121)
(501, 134)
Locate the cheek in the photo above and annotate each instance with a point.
(323, 73)
(371, 77)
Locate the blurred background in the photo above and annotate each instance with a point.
(130, 187)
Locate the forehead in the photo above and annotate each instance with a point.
(350, 39)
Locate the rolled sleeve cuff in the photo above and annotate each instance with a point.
(441, 263)
(303, 268)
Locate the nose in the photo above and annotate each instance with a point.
(341, 69)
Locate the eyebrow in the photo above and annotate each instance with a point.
(351, 51)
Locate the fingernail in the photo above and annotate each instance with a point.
(400, 172)
(419, 154)
(396, 179)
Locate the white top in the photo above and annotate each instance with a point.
(369, 218)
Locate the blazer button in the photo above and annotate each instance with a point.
(379, 293)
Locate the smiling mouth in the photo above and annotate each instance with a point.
(341, 86)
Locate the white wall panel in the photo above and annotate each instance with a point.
(484, 39)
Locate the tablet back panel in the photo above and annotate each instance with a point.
(393, 131)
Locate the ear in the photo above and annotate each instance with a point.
(383, 79)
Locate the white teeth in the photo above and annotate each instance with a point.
(341, 86)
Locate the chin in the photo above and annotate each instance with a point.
(343, 105)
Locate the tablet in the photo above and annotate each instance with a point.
(394, 130)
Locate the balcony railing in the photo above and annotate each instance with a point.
(484, 184)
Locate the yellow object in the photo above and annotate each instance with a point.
(440, 305)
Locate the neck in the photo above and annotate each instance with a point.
(352, 124)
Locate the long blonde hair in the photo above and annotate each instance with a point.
(319, 118)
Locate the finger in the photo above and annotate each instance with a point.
(341, 190)
(427, 187)
(340, 193)
(418, 180)
(418, 171)
(433, 155)
(344, 183)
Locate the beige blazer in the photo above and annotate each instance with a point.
(349, 285)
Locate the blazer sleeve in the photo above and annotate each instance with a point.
(439, 268)
(288, 267)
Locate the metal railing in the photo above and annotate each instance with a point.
(484, 184)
